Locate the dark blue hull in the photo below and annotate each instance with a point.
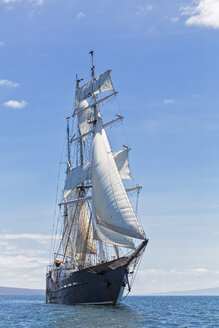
(96, 285)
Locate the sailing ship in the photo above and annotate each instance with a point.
(101, 240)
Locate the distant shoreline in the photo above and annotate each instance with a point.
(13, 291)
(194, 292)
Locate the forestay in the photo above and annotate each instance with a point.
(112, 205)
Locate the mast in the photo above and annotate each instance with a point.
(82, 189)
(96, 110)
(80, 140)
(68, 145)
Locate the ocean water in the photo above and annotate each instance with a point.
(135, 311)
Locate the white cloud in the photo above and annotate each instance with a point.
(160, 272)
(16, 104)
(8, 83)
(174, 19)
(24, 259)
(9, 1)
(169, 101)
(204, 13)
(34, 2)
(2, 44)
(40, 238)
(160, 280)
(200, 270)
(143, 10)
(31, 13)
(37, 2)
(81, 15)
(35, 236)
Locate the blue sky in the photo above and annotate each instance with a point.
(165, 63)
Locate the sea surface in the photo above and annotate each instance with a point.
(135, 311)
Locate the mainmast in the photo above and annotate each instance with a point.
(96, 110)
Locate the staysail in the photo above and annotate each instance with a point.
(108, 236)
(111, 203)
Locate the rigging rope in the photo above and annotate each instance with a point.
(54, 226)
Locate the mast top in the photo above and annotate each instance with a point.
(92, 63)
(78, 81)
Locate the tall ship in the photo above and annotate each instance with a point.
(98, 240)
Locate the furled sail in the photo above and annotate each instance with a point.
(100, 84)
(81, 173)
(85, 241)
(68, 227)
(77, 233)
(112, 205)
(66, 239)
(85, 117)
(108, 236)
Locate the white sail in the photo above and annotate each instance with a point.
(122, 163)
(106, 235)
(85, 117)
(112, 205)
(100, 84)
(68, 228)
(78, 236)
(76, 176)
(81, 173)
(84, 241)
(66, 239)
